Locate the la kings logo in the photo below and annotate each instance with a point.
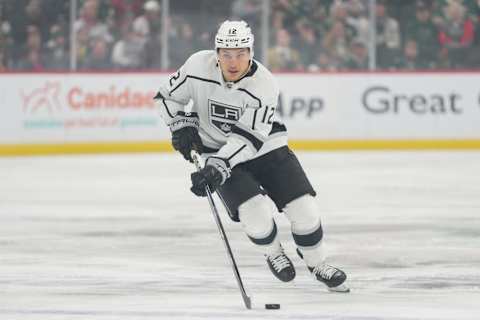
(223, 116)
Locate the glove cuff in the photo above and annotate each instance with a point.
(183, 120)
(222, 165)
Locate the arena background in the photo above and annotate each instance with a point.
(120, 236)
(78, 75)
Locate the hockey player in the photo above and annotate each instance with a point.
(248, 162)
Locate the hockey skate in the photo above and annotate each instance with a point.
(281, 266)
(332, 277)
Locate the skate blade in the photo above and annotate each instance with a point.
(341, 288)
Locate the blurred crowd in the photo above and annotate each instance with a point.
(305, 35)
(409, 34)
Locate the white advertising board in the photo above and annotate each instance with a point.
(69, 108)
(381, 106)
(53, 108)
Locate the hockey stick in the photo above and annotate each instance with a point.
(246, 299)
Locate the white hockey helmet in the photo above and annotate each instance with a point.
(234, 34)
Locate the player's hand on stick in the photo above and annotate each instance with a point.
(185, 140)
(185, 137)
(214, 174)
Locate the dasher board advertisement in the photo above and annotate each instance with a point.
(94, 108)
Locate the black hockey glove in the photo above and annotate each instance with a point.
(214, 174)
(185, 136)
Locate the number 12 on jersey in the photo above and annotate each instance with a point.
(270, 111)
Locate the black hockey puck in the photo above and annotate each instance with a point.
(272, 306)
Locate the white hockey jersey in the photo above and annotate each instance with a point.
(236, 118)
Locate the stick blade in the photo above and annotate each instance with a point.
(248, 302)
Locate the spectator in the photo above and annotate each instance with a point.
(6, 45)
(3, 65)
(125, 11)
(24, 17)
(424, 32)
(284, 14)
(388, 36)
(147, 27)
(99, 56)
(182, 46)
(323, 62)
(410, 59)
(282, 56)
(33, 57)
(278, 18)
(247, 10)
(307, 41)
(319, 19)
(358, 21)
(336, 43)
(358, 57)
(321, 28)
(57, 56)
(457, 34)
(339, 35)
(473, 59)
(90, 24)
(129, 52)
(148, 23)
(82, 47)
(439, 14)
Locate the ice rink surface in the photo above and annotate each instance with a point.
(121, 237)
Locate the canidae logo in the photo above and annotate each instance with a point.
(79, 98)
(44, 98)
(48, 98)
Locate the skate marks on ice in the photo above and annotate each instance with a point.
(120, 237)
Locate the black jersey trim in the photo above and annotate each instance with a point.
(166, 107)
(251, 95)
(158, 96)
(193, 77)
(259, 105)
(236, 152)
(254, 119)
(251, 72)
(277, 127)
(257, 143)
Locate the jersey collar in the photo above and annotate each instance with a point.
(251, 72)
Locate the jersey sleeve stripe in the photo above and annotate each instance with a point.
(203, 79)
(254, 119)
(257, 143)
(178, 85)
(247, 129)
(166, 107)
(236, 152)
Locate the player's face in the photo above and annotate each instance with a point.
(234, 62)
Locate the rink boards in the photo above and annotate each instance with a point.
(114, 112)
